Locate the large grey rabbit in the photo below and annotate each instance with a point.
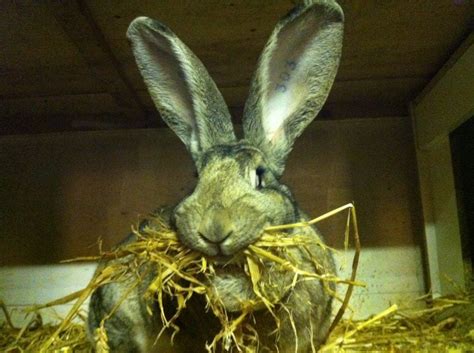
(238, 193)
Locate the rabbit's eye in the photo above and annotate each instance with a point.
(259, 182)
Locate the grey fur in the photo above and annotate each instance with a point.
(173, 75)
(315, 29)
(237, 195)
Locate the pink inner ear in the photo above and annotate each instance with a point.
(278, 108)
(165, 76)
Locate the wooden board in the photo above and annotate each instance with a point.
(391, 50)
(392, 275)
(443, 106)
(60, 193)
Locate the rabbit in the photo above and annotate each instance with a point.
(238, 192)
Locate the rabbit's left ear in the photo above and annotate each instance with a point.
(295, 73)
(181, 88)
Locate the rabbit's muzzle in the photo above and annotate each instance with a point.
(218, 231)
(216, 227)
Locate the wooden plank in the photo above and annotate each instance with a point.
(36, 57)
(52, 123)
(76, 104)
(366, 110)
(79, 47)
(43, 81)
(23, 286)
(443, 239)
(77, 21)
(50, 182)
(387, 90)
(380, 38)
(381, 97)
(377, 98)
(61, 192)
(444, 105)
(449, 101)
(30, 38)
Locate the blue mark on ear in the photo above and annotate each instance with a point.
(290, 65)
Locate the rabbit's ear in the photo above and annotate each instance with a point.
(295, 73)
(181, 88)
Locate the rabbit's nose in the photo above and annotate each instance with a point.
(215, 238)
(216, 226)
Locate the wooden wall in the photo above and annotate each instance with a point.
(59, 193)
(66, 65)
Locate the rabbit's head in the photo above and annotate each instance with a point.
(238, 192)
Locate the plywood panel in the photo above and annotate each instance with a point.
(441, 223)
(60, 193)
(401, 38)
(32, 38)
(391, 48)
(61, 112)
(382, 39)
(369, 162)
(36, 56)
(449, 101)
(444, 105)
(44, 81)
(82, 104)
(379, 94)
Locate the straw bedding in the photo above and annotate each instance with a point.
(180, 274)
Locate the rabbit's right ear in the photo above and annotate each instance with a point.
(295, 73)
(181, 88)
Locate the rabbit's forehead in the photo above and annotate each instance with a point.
(238, 155)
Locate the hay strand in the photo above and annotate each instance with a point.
(179, 273)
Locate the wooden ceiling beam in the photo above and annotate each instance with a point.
(78, 23)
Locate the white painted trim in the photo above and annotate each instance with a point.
(392, 275)
(445, 104)
(442, 232)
